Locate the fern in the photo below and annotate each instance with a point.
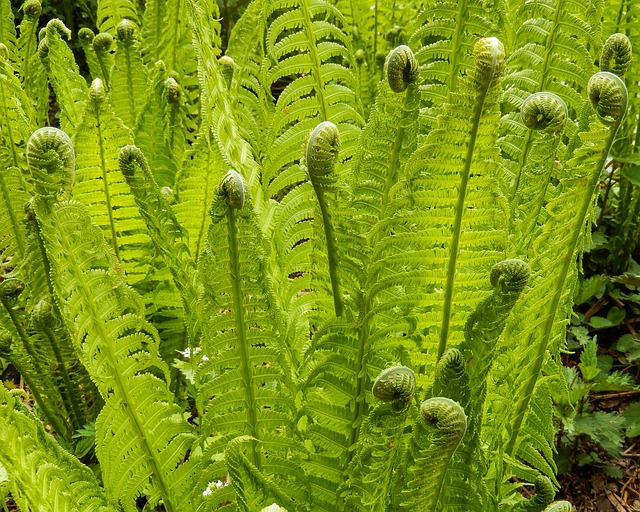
(43, 475)
(112, 12)
(117, 345)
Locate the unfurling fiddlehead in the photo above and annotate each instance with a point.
(484, 326)
(102, 45)
(32, 9)
(395, 383)
(559, 506)
(376, 462)
(321, 158)
(436, 437)
(233, 187)
(227, 67)
(544, 111)
(608, 96)
(544, 495)
(451, 378)
(172, 88)
(49, 150)
(322, 152)
(616, 54)
(401, 68)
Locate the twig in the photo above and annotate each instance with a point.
(616, 395)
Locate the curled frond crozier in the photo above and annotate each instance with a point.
(232, 186)
(125, 31)
(103, 42)
(401, 68)
(173, 89)
(616, 54)
(32, 9)
(322, 150)
(489, 57)
(97, 93)
(510, 275)
(608, 96)
(51, 161)
(544, 111)
(129, 157)
(445, 415)
(395, 383)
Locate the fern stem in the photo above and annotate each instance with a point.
(569, 258)
(457, 224)
(245, 357)
(176, 18)
(332, 252)
(105, 181)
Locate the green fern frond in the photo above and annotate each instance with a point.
(151, 130)
(559, 506)
(42, 474)
(196, 184)
(112, 12)
(101, 186)
(252, 488)
(86, 37)
(436, 436)
(244, 385)
(451, 212)
(380, 446)
(30, 69)
(302, 44)
(116, 345)
(70, 88)
(8, 28)
(129, 75)
(168, 236)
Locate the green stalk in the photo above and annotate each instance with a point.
(243, 343)
(569, 258)
(457, 224)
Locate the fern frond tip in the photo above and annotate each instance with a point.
(489, 56)
(51, 161)
(232, 186)
(395, 383)
(103, 42)
(608, 96)
(32, 9)
(544, 111)
(445, 415)
(616, 54)
(322, 150)
(510, 275)
(401, 68)
(125, 31)
(559, 506)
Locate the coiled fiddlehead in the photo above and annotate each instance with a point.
(401, 68)
(125, 31)
(32, 9)
(6, 340)
(321, 157)
(10, 290)
(510, 276)
(395, 383)
(436, 437)
(173, 90)
(608, 96)
(544, 495)
(451, 378)
(51, 162)
(4, 52)
(559, 506)
(102, 42)
(97, 93)
(616, 54)
(228, 67)
(544, 111)
(86, 36)
(233, 187)
(322, 152)
(380, 443)
(489, 57)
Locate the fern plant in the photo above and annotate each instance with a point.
(327, 270)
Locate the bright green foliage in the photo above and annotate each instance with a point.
(334, 271)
